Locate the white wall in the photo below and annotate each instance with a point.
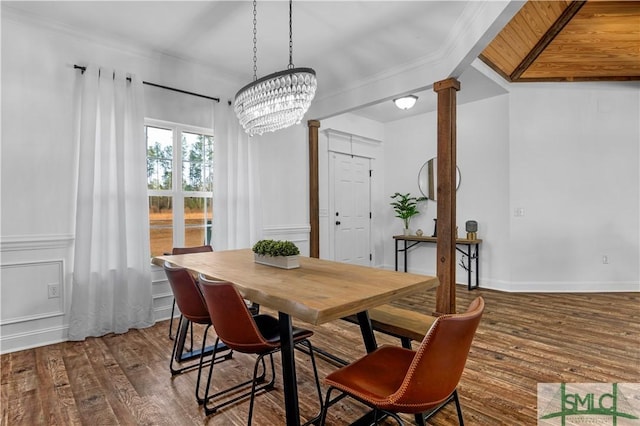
(284, 167)
(568, 154)
(38, 166)
(574, 169)
(483, 160)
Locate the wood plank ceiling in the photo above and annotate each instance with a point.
(569, 41)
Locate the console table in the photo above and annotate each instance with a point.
(469, 248)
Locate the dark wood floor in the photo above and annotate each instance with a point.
(523, 339)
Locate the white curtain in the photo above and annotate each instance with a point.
(111, 289)
(236, 194)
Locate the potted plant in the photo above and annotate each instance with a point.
(282, 254)
(405, 207)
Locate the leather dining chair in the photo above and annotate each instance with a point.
(394, 380)
(192, 308)
(185, 250)
(254, 307)
(246, 333)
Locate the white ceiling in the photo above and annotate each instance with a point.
(363, 52)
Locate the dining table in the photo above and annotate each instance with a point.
(316, 292)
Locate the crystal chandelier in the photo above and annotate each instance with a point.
(277, 100)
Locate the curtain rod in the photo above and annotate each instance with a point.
(83, 69)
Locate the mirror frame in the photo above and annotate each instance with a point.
(427, 179)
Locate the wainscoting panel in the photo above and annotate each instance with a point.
(31, 264)
(28, 283)
(297, 234)
(162, 294)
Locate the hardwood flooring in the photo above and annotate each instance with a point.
(523, 339)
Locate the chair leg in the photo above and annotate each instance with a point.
(206, 388)
(253, 384)
(254, 381)
(396, 417)
(173, 309)
(326, 405)
(307, 343)
(191, 335)
(196, 364)
(458, 407)
(201, 363)
(175, 371)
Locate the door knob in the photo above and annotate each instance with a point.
(337, 222)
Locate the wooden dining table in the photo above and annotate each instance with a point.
(317, 292)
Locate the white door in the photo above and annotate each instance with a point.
(351, 209)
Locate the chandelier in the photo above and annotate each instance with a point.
(277, 100)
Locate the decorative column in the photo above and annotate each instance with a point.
(446, 196)
(314, 200)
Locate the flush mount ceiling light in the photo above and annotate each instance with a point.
(406, 102)
(277, 100)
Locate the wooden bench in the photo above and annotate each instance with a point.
(402, 323)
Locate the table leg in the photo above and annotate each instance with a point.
(289, 371)
(469, 270)
(181, 335)
(396, 255)
(477, 263)
(405, 255)
(370, 344)
(367, 331)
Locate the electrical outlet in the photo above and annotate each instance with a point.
(605, 259)
(518, 212)
(54, 290)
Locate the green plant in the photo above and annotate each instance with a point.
(275, 248)
(405, 206)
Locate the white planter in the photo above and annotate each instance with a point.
(284, 262)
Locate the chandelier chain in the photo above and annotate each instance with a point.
(255, 42)
(291, 35)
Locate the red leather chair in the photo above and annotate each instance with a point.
(192, 308)
(397, 380)
(185, 250)
(246, 333)
(255, 308)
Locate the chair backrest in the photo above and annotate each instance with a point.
(187, 250)
(230, 317)
(187, 294)
(439, 361)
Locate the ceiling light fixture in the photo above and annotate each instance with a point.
(406, 102)
(277, 100)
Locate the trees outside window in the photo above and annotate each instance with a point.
(180, 186)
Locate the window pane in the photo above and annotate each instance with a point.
(197, 156)
(198, 216)
(159, 157)
(161, 225)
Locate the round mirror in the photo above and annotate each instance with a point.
(427, 178)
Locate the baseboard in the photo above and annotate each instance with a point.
(574, 287)
(49, 336)
(545, 286)
(163, 313)
(33, 339)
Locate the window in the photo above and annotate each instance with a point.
(180, 185)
